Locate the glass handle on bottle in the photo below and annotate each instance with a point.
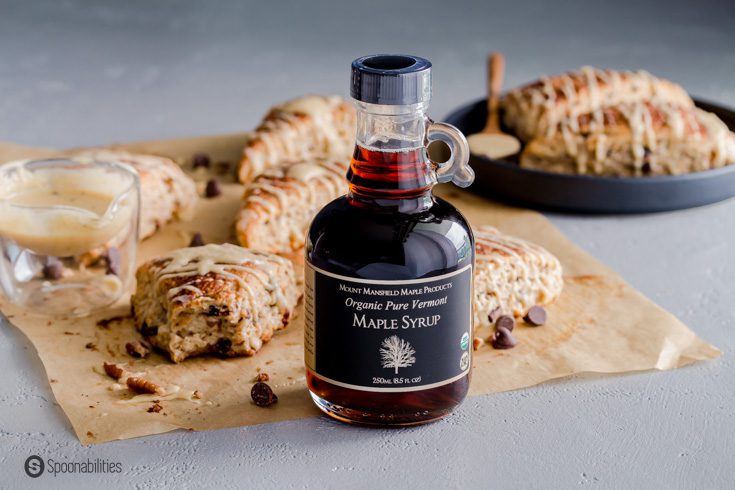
(456, 168)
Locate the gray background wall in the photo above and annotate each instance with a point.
(89, 72)
(83, 72)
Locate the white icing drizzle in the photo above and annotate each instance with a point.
(525, 270)
(170, 393)
(305, 171)
(307, 127)
(305, 177)
(222, 259)
(269, 188)
(268, 205)
(593, 90)
(680, 122)
(654, 111)
(173, 293)
(310, 105)
(140, 162)
(538, 108)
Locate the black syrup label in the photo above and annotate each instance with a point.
(391, 336)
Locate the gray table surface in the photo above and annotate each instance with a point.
(78, 72)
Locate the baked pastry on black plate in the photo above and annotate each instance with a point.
(615, 123)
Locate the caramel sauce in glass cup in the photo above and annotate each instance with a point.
(68, 233)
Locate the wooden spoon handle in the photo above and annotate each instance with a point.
(495, 69)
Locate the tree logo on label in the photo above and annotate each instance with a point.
(396, 353)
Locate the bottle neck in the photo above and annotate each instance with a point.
(390, 168)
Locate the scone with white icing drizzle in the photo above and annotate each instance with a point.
(301, 129)
(166, 192)
(219, 299)
(634, 139)
(615, 123)
(512, 274)
(537, 108)
(279, 204)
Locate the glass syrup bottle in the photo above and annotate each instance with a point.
(389, 266)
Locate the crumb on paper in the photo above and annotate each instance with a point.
(197, 395)
(105, 322)
(156, 407)
(477, 342)
(137, 349)
(145, 386)
(261, 377)
(113, 370)
(90, 346)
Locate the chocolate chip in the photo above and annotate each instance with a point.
(148, 330)
(137, 349)
(213, 188)
(196, 240)
(263, 395)
(503, 339)
(113, 261)
(505, 321)
(200, 160)
(493, 316)
(536, 316)
(53, 269)
(213, 311)
(223, 345)
(646, 168)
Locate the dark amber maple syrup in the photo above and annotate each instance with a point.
(390, 227)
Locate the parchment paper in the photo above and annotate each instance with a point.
(600, 324)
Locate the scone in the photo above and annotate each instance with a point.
(536, 109)
(166, 192)
(633, 139)
(279, 204)
(512, 274)
(221, 299)
(301, 129)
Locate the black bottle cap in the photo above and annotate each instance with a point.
(391, 79)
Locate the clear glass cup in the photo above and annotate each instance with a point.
(68, 233)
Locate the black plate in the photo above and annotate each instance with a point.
(505, 180)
